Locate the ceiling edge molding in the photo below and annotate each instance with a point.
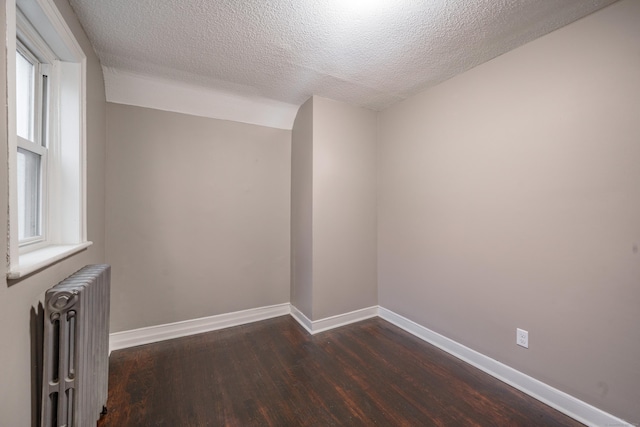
(123, 87)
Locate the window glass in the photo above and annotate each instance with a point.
(29, 184)
(25, 100)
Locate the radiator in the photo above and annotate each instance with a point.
(76, 349)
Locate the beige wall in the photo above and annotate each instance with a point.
(17, 298)
(509, 197)
(333, 209)
(198, 214)
(344, 208)
(301, 294)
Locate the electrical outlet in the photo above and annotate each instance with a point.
(522, 338)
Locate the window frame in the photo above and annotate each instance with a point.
(63, 209)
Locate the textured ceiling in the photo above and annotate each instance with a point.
(371, 53)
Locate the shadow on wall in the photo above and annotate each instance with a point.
(36, 328)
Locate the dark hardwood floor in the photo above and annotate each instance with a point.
(273, 373)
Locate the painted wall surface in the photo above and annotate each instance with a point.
(198, 216)
(301, 294)
(509, 197)
(19, 298)
(344, 208)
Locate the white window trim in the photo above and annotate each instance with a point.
(68, 233)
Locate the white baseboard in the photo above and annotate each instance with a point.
(563, 402)
(302, 319)
(320, 325)
(135, 337)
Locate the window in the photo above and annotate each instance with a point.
(46, 138)
(32, 112)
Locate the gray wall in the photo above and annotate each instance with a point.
(17, 298)
(509, 197)
(333, 209)
(344, 208)
(301, 209)
(198, 214)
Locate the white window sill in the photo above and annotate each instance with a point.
(41, 258)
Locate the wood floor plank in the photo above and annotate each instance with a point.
(273, 373)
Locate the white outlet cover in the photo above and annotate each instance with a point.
(522, 338)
